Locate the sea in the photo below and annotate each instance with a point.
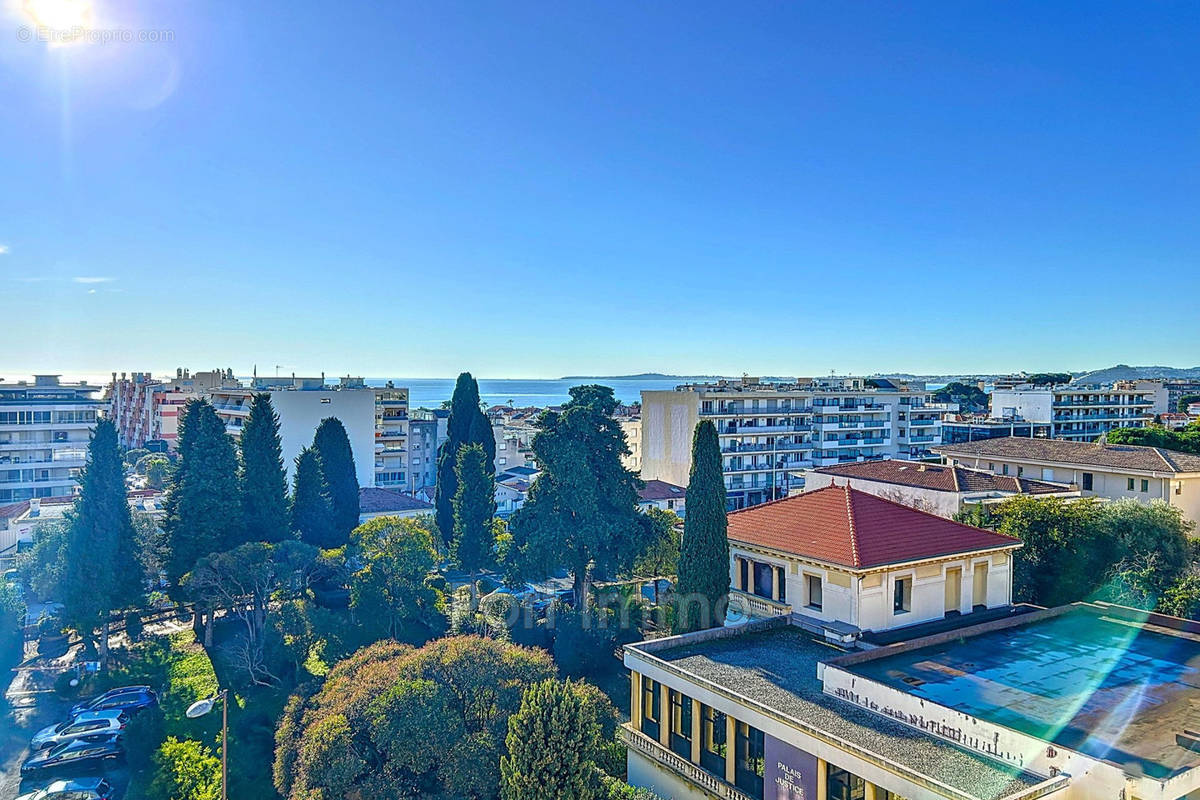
(520, 392)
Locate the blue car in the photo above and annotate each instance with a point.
(73, 755)
(126, 698)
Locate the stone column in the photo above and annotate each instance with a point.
(777, 573)
(870, 792)
(695, 731)
(822, 777)
(749, 576)
(730, 746)
(664, 715)
(635, 700)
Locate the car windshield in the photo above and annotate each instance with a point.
(58, 748)
(102, 787)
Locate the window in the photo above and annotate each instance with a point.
(991, 466)
(712, 740)
(902, 596)
(681, 723)
(813, 584)
(1004, 469)
(1020, 471)
(651, 707)
(843, 785)
(1087, 481)
(503, 461)
(1129, 484)
(1145, 485)
(749, 760)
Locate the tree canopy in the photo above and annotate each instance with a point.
(311, 511)
(703, 586)
(474, 512)
(1185, 441)
(581, 512)
(391, 592)
(263, 482)
(553, 744)
(968, 396)
(203, 510)
(466, 425)
(397, 721)
(333, 450)
(102, 572)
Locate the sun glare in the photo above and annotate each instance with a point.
(67, 20)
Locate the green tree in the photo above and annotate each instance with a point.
(552, 746)
(203, 511)
(581, 512)
(263, 482)
(391, 593)
(155, 467)
(395, 721)
(12, 613)
(311, 511)
(467, 425)
(185, 770)
(1185, 401)
(341, 480)
(661, 556)
(474, 511)
(1184, 441)
(134, 455)
(703, 585)
(42, 567)
(969, 397)
(100, 533)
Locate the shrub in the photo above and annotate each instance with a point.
(133, 626)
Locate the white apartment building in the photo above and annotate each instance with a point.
(1078, 412)
(301, 404)
(770, 432)
(45, 427)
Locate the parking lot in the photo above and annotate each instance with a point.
(30, 704)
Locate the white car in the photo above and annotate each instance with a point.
(87, 724)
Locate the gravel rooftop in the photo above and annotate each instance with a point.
(778, 668)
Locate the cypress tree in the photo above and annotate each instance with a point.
(703, 585)
(203, 509)
(312, 514)
(264, 485)
(474, 510)
(552, 746)
(332, 446)
(101, 565)
(467, 425)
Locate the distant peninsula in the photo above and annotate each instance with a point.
(641, 376)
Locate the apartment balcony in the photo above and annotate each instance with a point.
(756, 606)
(875, 423)
(755, 430)
(921, 439)
(44, 445)
(1095, 403)
(782, 411)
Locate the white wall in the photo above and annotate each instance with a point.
(300, 412)
(1034, 406)
(944, 504)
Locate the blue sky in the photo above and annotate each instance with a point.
(529, 189)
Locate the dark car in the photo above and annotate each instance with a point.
(126, 698)
(78, 754)
(75, 789)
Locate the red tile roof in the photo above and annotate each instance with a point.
(939, 477)
(844, 526)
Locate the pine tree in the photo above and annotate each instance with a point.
(704, 554)
(203, 509)
(312, 514)
(553, 742)
(332, 446)
(263, 484)
(474, 511)
(467, 425)
(102, 570)
(582, 509)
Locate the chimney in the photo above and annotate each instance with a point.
(35, 505)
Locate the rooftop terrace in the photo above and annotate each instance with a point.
(1094, 680)
(775, 671)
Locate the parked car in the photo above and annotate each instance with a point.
(76, 789)
(76, 754)
(126, 698)
(94, 725)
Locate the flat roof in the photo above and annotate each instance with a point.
(1096, 680)
(778, 669)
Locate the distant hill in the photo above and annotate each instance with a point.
(1123, 372)
(641, 376)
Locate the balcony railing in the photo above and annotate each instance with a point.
(756, 606)
(919, 439)
(692, 773)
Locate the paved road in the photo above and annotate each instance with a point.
(29, 704)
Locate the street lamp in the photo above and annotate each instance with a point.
(202, 707)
